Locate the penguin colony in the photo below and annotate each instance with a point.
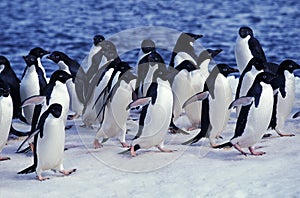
(104, 91)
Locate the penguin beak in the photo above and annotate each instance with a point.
(214, 53)
(233, 70)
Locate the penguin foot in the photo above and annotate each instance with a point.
(72, 117)
(68, 172)
(4, 158)
(40, 178)
(165, 150)
(133, 153)
(125, 145)
(256, 153)
(97, 144)
(237, 147)
(192, 128)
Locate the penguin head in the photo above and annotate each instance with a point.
(245, 31)
(4, 88)
(30, 60)
(148, 46)
(207, 54)
(288, 65)
(98, 39)
(109, 50)
(38, 52)
(57, 56)
(123, 67)
(154, 58)
(265, 77)
(59, 75)
(55, 109)
(225, 69)
(257, 63)
(3, 63)
(189, 38)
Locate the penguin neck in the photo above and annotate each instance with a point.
(93, 51)
(2, 67)
(63, 66)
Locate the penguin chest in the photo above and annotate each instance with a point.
(50, 148)
(29, 85)
(6, 112)
(248, 81)
(148, 78)
(242, 52)
(60, 95)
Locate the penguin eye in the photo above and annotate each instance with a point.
(225, 69)
(290, 66)
(57, 57)
(264, 76)
(32, 59)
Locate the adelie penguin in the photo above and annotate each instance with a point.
(255, 115)
(32, 83)
(215, 112)
(40, 53)
(49, 141)
(247, 47)
(70, 66)
(6, 114)
(156, 116)
(144, 69)
(9, 76)
(284, 98)
(184, 49)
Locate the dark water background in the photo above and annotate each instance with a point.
(69, 26)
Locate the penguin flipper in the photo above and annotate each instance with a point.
(244, 101)
(198, 96)
(227, 144)
(34, 100)
(30, 169)
(191, 141)
(296, 115)
(125, 152)
(29, 137)
(139, 102)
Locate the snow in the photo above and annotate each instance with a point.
(191, 171)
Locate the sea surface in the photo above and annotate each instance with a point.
(69, 26)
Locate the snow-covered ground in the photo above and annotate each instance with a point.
(191, 171)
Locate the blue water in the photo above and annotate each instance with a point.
(69, 26)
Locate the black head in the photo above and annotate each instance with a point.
(98, 39)
(59, 75)
(288, 65)
(4, 88)
(38, 52)
(57, 56)
(148, 46)
(55, 109)
(226, 70)
(4, 61)
(30, 60)
(257, 63)
(207, 54)
(154, 58)
(123, 66)
(245, 31)
(109, 50)
(265, 77)
(192, 36)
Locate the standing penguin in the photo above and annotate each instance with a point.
(156, 116)
(254, 67)
(184, 49)
(70, 66)
(49, 141)
(39, 53)
(6, 114)
(215, 112)
(284, 99)
(9, 76)
(247, 47)
(255, 115)
(31, 84)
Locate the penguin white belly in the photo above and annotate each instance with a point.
(242, 52)
(87, 61)
(75, 104)
(89, 115)
(193, 110)
(285, 105)
(6, 113)
(148, 78)
(258, 119)
(29, 86)
(50, 148)
(218, 107)
(42, 68)
(157, 119)
(115, 117)
(182, 90)
(182, 56)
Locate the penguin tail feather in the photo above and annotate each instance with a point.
(28, 170)
(104, 140)
(191, 141)
(18, 133)
(227, 144)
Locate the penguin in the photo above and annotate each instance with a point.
(284, 98)
(10, 77)
(49, 140)
(70, 66)
(255, 115)
(247, 47)
(100, 85)
(144, 70)
(31, 84)
(254, 67)
(116, 113)
(6, 114)
(215, 112)
(39, 53)
(184, 50)
(156, 116)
